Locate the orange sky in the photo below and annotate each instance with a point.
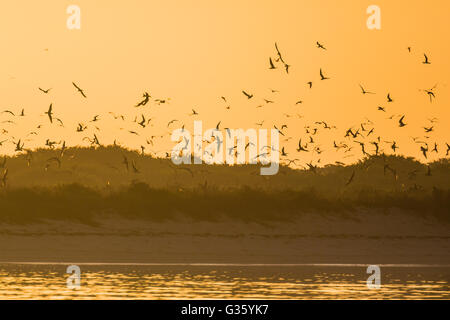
(197, 51)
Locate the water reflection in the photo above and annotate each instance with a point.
(42, 281)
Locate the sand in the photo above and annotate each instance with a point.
(365, 237)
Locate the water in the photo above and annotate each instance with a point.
(221, 281)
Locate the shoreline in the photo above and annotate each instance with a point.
(369, 238)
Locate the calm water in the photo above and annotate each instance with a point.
(48, 281)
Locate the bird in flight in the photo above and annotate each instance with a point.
(10, 112)
(364, 90)
(309, 84)
(430, 93)
(300, 147)
(389, 99)
(171, 121)
(272, 66)
(322, 77)
(394, 146)
(45, 91)
(249, 96)
(79, 89)
(401, 123)
(146, 97)
(426, 61)
(50, 113)
(320, 46)
(280, 58)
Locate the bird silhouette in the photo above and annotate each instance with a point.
(49, 113)
(389, 99)
(249, 96)
(79, 89)
(272, 66)
(364, 91)
(320, 46)
(45, 91)
(322, 77)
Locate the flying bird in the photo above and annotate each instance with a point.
(79, 89)
(364, 91)
(50, 113)
(320, 46)
(272, 66)
(45, 91)
(249, 96)
(322, 77)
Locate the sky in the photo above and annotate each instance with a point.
(195, 52)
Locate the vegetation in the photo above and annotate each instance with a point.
(91, 182)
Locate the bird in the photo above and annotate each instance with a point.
(401, 123)
(272, 66)
(249, 96)
(19, 147)
(280, 58)
(286, 67)
(430, 93)
(146, 99)
(424, 150)
(320, 46)
(309, 84)
(426, 61)
(322, 77)
(171, 121)
(448, 149)
(279, 131)
(394, 146)
(10, 112)
(142, 123)
(79, 89)
(300, 147)
(389, 99)
(50, 112)
(45, 91)
(364, 91)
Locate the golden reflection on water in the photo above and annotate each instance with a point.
(170, 282)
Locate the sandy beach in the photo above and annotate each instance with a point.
(367, 237)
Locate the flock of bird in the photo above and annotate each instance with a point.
(363, 137)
